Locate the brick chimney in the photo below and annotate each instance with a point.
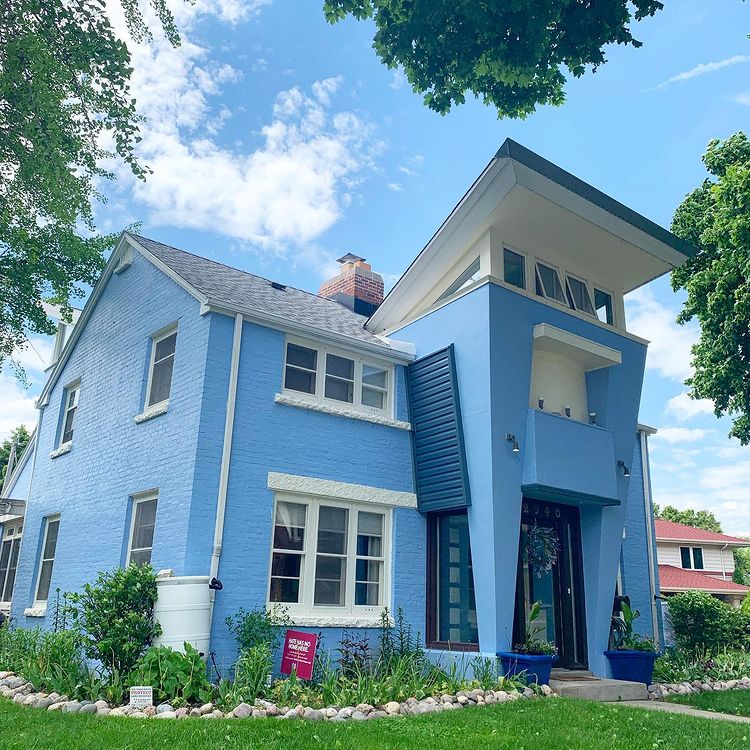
(356, 286)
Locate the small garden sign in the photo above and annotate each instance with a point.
(299, 653)
(141, 696)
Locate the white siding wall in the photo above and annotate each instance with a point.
(669, 554)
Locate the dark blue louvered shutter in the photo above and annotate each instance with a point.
(437, 437)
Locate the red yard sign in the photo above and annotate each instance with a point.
(299, 653)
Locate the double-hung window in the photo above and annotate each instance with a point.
(691, 558)
(161, 367)
(9, 559)
(329, 557)
(47, 558)
(142, 531)
(337, 378)
(70, 407)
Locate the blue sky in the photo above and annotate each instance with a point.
(279, 142)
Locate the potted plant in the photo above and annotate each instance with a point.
(534, 657)
(634, 655)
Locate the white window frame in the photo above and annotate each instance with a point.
(589, 289)
(47, 521)
(12, 532)
(526, 259)
(136, 500)
(305, 605)
(561, 277)
(320, 377)
(691, 548)
(612, 298)
(155, 339)
(74, 387)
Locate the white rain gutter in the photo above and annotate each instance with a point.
(226, 452)
(649, 508)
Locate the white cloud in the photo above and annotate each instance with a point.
(18, 406)
(413, 165)
(704, 68)
(399, 79)
(684, 408)
(396, 187)
(669, 350)
(674, 435)
(743, 99)
(260, 65)
(289, 185)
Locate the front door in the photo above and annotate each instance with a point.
(550, 571)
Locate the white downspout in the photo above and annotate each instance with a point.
(649, 508)
(723, 566)
(226, 454)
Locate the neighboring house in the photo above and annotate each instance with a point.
(225, 426)
(691, 558)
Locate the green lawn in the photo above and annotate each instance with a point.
(556, 724)
(726, 702)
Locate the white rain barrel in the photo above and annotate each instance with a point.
(183, 609)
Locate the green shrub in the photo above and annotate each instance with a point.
(703, 622)
(174, 676)
(116, 616)
(681, 665)
(258, 626)
(252, 672)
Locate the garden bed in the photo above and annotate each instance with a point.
(21, 691)
(662, 690)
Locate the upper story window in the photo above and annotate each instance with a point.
(469, 276)
(514, 268)
(162, 364)
(604, 308)
(9, 560)
(336, 378)
(579, 296)
(548, 283)
(692, 558)
(142, 533)
(69, 412)
(328, 556)
(47, 558)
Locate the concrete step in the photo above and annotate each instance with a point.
(598, 688)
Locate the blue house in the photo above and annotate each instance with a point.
(461, 449)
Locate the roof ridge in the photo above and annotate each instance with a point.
(240, 270)
(704, 531)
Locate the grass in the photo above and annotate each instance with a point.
(735, 702)
(534, 725)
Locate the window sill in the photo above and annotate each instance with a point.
(334, 621)
(36, 611)
(62, 450)
(303, 403)
(153, 411)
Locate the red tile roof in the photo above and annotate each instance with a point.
(672, 578)
(669, 530)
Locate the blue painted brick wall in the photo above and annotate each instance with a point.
(112, 457)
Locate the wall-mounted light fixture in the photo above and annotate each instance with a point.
(625, 470)
(512, 440)
(592, 417)
(567, 410)
(540, 401)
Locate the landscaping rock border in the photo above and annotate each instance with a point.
(21, 691)
(660, 690)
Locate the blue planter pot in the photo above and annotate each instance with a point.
(536, 668)
(636, 666)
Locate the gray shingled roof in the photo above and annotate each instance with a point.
(234, 288)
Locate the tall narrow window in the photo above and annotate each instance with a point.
(453, 617)
(142, 537)
(9, 560)
(603, 305)
(580, 298)
(369, 565)
(698, 558)
(47, 558)
(301, 368)
(288, 552)
(330, 565)
(339, 378)
(548, 283)
(687, 562)
(69, 414)
(514, 268)
(162, 364)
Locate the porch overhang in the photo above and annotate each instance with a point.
(546, 493)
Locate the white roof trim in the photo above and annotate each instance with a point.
(700, 542)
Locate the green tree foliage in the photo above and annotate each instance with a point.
(20, 436)
(64, 92)
(512, 55)
(715, 217)
(700, 519)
